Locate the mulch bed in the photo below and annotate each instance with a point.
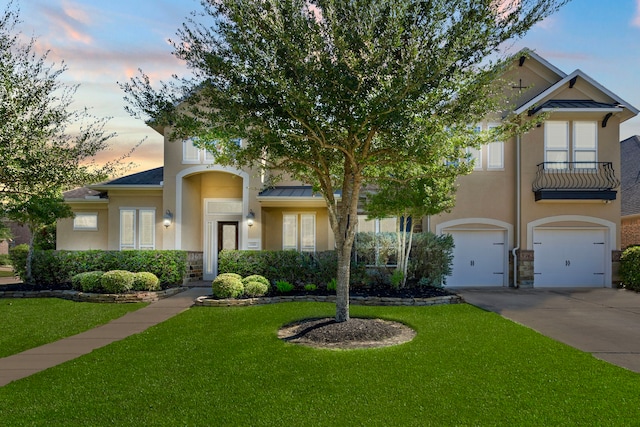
(352, 334)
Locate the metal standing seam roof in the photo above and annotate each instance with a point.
(289, 191)
(630, 176)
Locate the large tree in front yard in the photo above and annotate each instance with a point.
(46, 146)
(335, 91)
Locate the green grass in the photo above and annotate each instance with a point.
(226, 366)
(28, 323)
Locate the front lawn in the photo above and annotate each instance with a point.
(28, 323)
(226, 366)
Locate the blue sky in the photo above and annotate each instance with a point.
(105, 42)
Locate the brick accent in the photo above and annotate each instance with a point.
(195, 265)
(630, 231)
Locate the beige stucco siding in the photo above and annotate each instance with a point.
(69, 239)
(138, 199)
(272, 227)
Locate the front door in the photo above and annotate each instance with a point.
(228, 235)
(219, 235)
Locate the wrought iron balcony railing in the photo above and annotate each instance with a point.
(575, 180)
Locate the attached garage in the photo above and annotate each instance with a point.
(570, 257)
(479, 258)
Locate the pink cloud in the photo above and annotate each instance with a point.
(636, 18)
(70, 20)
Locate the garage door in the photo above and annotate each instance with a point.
(565, 257)
(478, 258)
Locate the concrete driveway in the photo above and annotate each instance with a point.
(604, 322)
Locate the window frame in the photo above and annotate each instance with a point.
(578, 149)
(78, 227)
(492, 147)
(137, 228)
(293, 229)
(548, 148)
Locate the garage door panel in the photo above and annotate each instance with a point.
(478, 258)
(569, 258)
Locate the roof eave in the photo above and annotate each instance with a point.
(103, 187)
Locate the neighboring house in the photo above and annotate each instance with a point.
(549, 196)
(630, 191)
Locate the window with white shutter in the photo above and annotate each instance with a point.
(308, 232)
(290, 231)
(137, 228)
(127, 229)
(147, 229)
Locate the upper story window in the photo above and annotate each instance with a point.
(194, 155)
(564, 143)
(85, 221)
(137, 228)
(492, 152)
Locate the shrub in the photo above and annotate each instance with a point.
(310, 287)
(431, 258)
(256, 278)
(117, 281)
(91, 281)
(56, 268)
(396, 278)
(18, 255)
(283, 286)
(227, 285)
(5, 260)
(630, 268)
(145, 281)
(255, 289)
(332, 285)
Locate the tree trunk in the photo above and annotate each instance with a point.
(28, 269)
(342, 288)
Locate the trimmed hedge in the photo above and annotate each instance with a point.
(56, 268)
(630, 268)
(297, 268)
(227, 285)
(117, 281)
(90, 281)
(144, 281)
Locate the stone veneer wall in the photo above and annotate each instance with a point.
(145, 296)
(525, 268)
(195, 266)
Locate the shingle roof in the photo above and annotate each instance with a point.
(150, 177)
(80, 193)
(630, 172)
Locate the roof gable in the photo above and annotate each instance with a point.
(588, 88)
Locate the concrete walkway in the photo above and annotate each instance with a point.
(37, 359)
(604, 322)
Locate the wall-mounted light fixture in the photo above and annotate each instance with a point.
(167, 219)
(251, 216)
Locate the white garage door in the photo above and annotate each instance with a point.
(569, 257)
(478, 258)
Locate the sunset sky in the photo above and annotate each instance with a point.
(105, 42)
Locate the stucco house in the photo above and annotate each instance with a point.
(548, 196)
(630, 191)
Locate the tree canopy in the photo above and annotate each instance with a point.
(338, 93)
(46, 147)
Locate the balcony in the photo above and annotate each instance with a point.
(575, 181)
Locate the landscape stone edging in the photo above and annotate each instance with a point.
(141, 296)
(207, 301)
